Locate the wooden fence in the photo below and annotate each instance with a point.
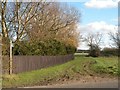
(29, 63)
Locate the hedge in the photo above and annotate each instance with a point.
(48, 47)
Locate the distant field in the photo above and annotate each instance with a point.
(80, 66)
(81, 54)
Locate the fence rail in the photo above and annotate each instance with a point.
(29, 63)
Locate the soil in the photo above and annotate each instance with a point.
(81, 80)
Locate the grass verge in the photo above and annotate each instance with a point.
(81, 66)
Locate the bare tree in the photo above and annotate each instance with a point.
(116, 39)
(94, 41)
(56, 21)
(40, 20)
(15, 19)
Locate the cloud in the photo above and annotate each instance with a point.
(98, 26)
(102, 3)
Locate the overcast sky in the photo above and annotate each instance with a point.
(97, 16)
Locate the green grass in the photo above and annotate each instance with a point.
(106, 65)
(80, 66)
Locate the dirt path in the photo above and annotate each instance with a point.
(86, 82)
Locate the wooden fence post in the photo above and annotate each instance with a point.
(0, 61)
(11, 68)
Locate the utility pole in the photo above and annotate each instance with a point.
(11, 58)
